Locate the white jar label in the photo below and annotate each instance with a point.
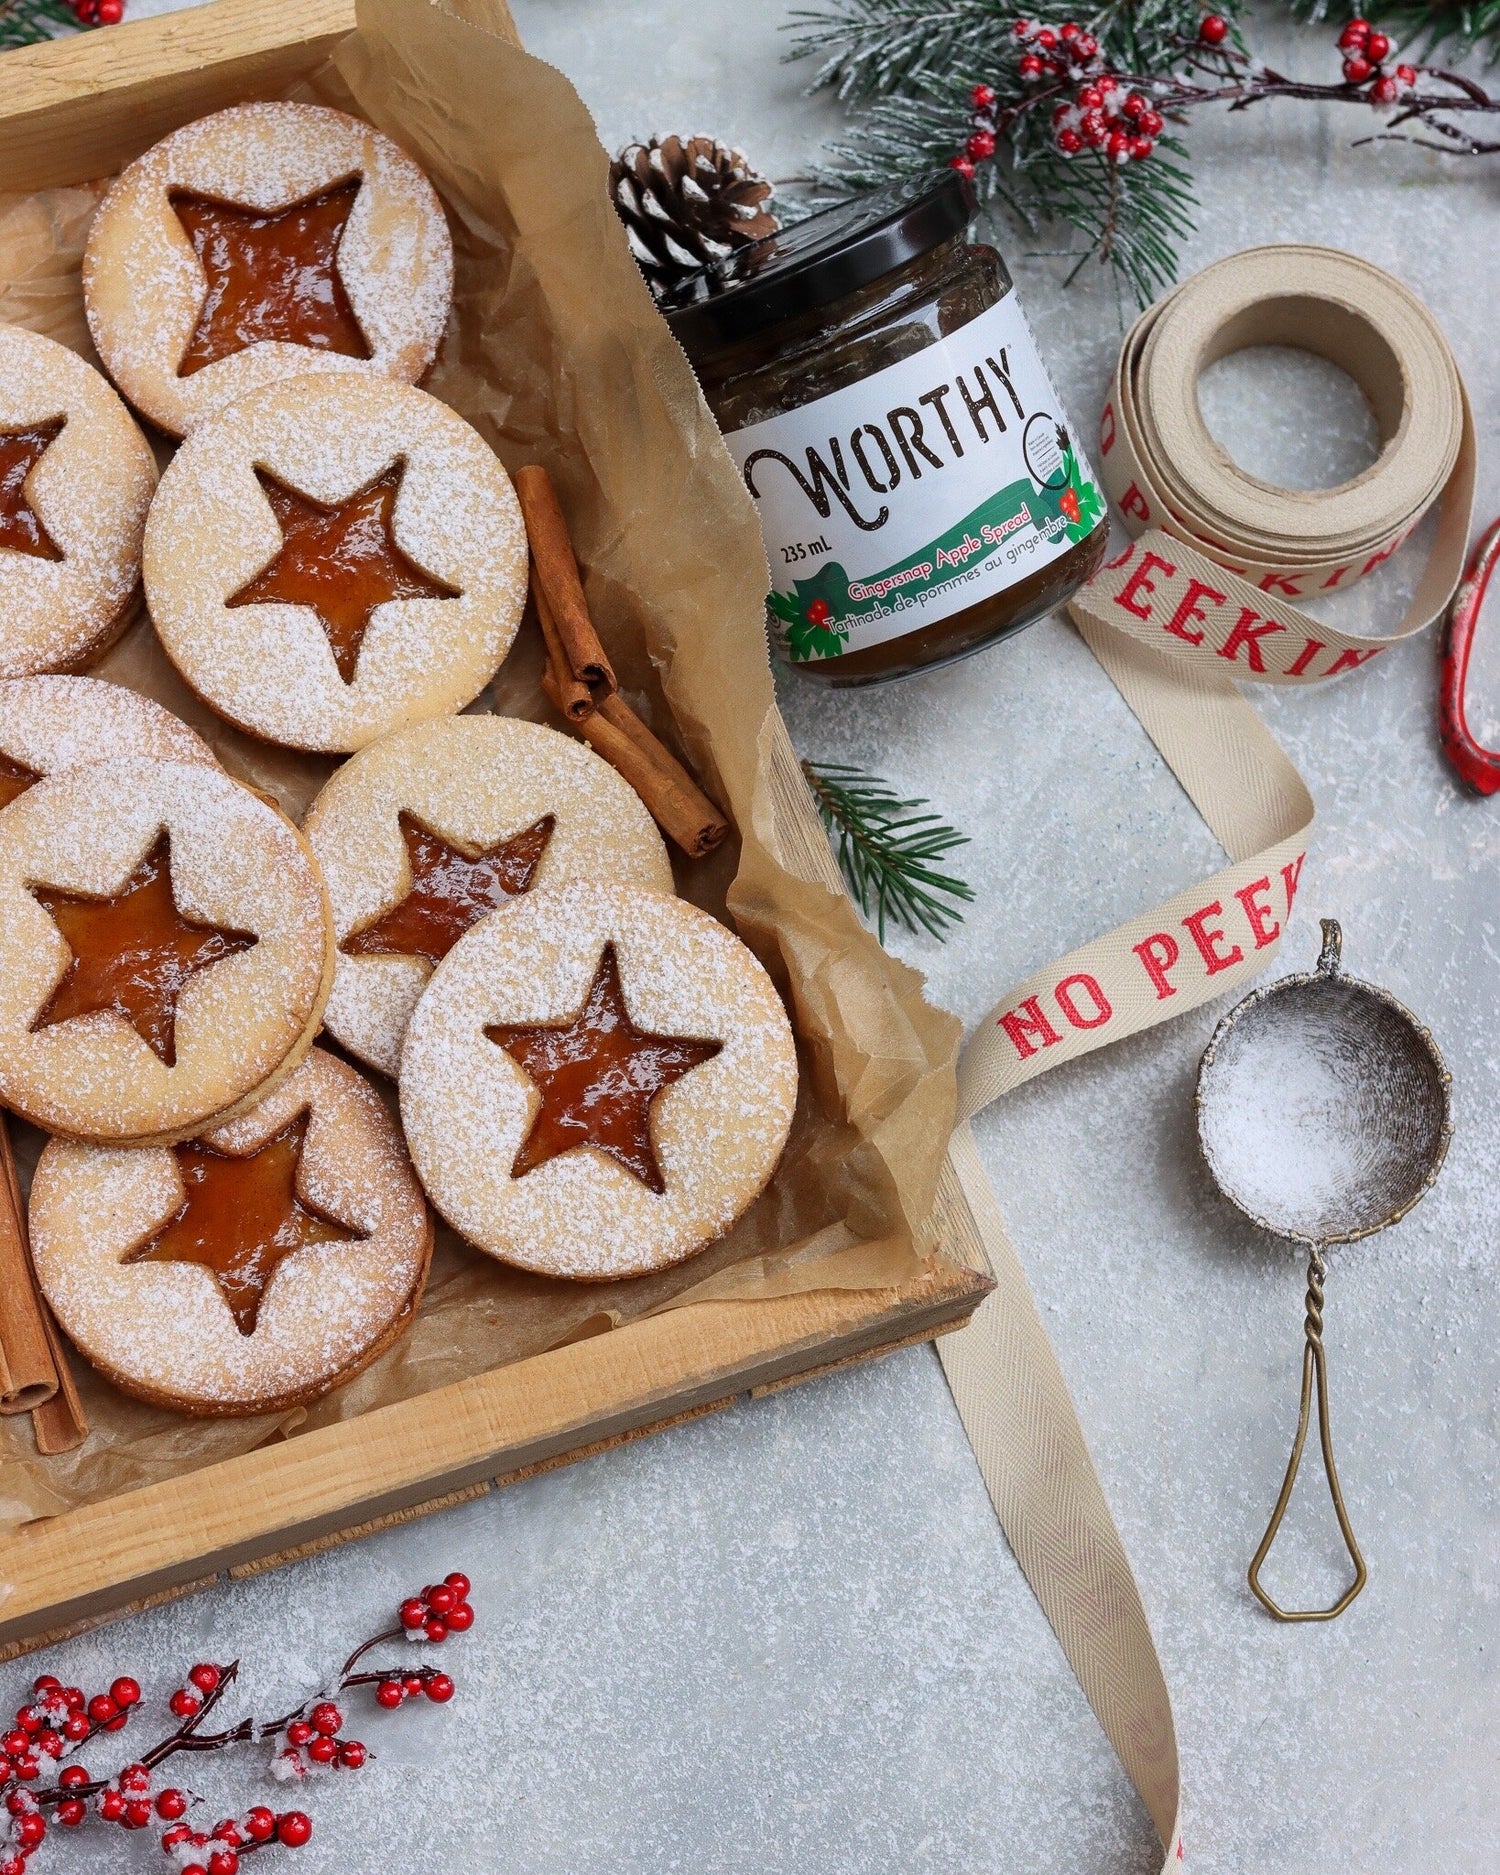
(916, 492)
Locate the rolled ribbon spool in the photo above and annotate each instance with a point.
(1204, 595)
(1169, 477)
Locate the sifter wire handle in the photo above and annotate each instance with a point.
(1314, 1369)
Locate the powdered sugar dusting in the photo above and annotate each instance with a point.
(270, 667)
(236, 863)
(50, 723)
(475, 781)
(143, 286)
(164, 1328)
(90, 491)
(717, 1133)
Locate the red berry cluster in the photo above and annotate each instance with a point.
(217, 1851)
(1102, 115)
(1095, 111)
(1365, 52)
(98, 12)
(187, 1701)
(313, 1744)
(1055, 51)
(440, 1610)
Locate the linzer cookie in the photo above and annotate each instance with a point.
(249, 1269)
(428, 830)
(76, 477)
(597, 1082)
(263, 242)
(331, 558)
(165, 949)
(48, 723)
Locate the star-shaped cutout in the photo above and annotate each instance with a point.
(450, 890)
(598, 1077)
(270, 276)
(241, 1218)
(343, 561)
(20, 451)
(15, 778)
(133, 952)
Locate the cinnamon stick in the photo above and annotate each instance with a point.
(59, 1424)
(28, 1373)
(555, 579)
(574, 698)
(675, 801)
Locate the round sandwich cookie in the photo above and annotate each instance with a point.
(597, 1082)
(48, 723)
(331, 559)
(264, 242)
(428, 830)
(166, 949)
(76, 477)
(249, 1269)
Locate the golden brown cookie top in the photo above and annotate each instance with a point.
(331, 559)
(250, 1268)
(165, 948)
(48, 723)
(265, 241)
(76, 477)
(597, 1082)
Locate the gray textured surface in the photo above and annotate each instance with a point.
(789, 1640)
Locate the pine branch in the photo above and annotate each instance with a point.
(910, 69)
(886, 850)
(27, 22)
(1066, 124)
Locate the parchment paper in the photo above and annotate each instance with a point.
(556, 354)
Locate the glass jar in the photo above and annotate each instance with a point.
(919, 488)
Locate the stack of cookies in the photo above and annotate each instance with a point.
(595, 1078)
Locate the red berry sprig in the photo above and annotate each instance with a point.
(98, 12)
(59, 1719)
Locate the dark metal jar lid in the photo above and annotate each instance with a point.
(818, 260)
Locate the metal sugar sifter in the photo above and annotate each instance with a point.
(1324, 1113)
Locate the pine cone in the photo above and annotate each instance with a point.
(685, 202)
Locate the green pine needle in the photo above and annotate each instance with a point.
(27, 22)
(886, 850)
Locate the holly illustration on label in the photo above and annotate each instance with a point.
(1079, 502)
(810, 616)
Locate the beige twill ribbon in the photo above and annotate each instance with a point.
(1201, 597)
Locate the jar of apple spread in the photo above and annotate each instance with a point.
(920, 491)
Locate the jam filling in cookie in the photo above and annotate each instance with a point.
(450, 890)
(20, 451)
(242, 1217)
(15, 779)
(343, 561)
(598, 1077)
(270, 275)
(134, 953)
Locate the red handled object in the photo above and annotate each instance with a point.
(1479, 767)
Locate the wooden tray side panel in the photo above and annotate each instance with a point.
(75, 109)
(74, 1567)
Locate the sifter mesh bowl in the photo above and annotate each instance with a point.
(1323, 1106)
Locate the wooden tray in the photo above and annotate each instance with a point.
(73, 110)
